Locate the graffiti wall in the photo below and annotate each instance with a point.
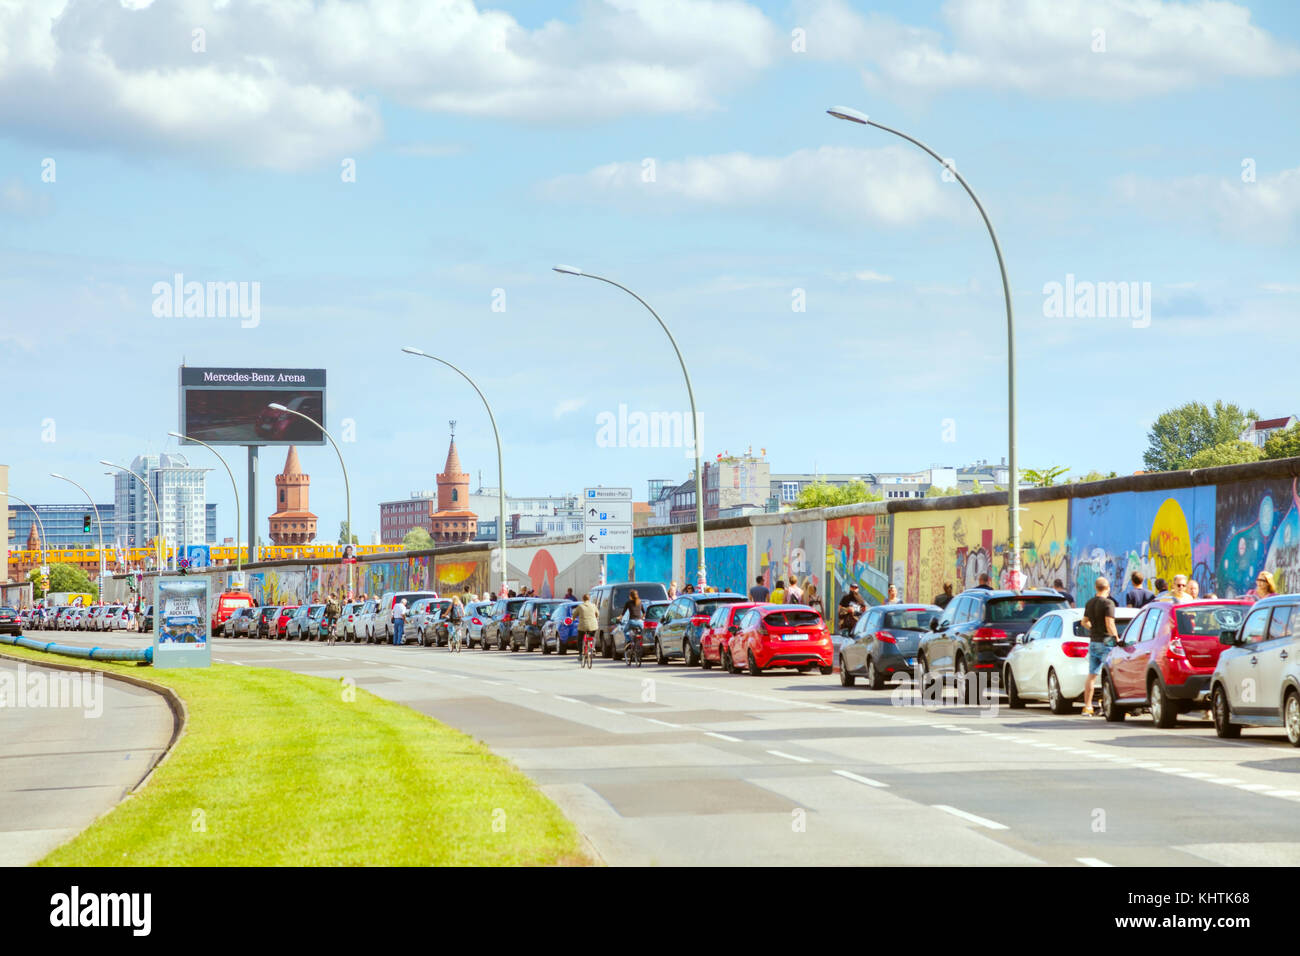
(553, 568)
(1156, 533)
(726, 558)
(1257, 526)
(956, 546)
(651, 560)
(857, 550)
(789, 550)
(460, 572)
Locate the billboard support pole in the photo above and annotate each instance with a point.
(252, 504)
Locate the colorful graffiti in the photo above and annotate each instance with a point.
(726, 558)
(1258, 525)
(651, 560)
(789, 550)
(857, 551)
(553, 569)
(454, 577)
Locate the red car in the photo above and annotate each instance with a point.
(282, 620)
(779, 635)
(717, 633)
(1165, 658)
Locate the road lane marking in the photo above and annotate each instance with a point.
(1254, 786)
(982, 821)
(567, 700)
(1197, 774)
(611, 710)
(860, 779)
(662, 723)
(1092, 861)
(529, 690)
(729, 739)
(781, 753)
(1226, 781)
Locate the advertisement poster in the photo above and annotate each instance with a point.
(181, 622)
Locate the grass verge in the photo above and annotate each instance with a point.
(286, 770)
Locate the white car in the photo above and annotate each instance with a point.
(1050, 660)
(364, 621)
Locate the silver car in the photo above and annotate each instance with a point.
(1256, 682)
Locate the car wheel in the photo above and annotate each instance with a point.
(1110, 709)
(704, 661)
(659, 653)
(962, 677)
(1163, 712)
(607, 647)
(687, 658)
(1222, 710)
(875, 679)
(754, 670)
(546, 648)
(1014, 700)
(1291, 717)
(1055, 699)
(847, 679)
(724, 660)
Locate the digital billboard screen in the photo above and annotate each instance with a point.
(229, 406)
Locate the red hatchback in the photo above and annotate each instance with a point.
(282, 621)
(1165, 658)
(717, 633)
(779, 635)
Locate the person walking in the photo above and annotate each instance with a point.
(1135, 595)
(986, 582)
(941, 600)
(759, 592)
(1179, 590)
(1193, 589)
(1059, 587)
(892, 596)
(778, 592)
(672, 590)
(1162, 590)
(793, 593)
(399, 623)
(568, 595)
(851, 607)
(814, 600)
(1099, 618)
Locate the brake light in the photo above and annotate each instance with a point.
(700, 619)
(988, 634)
(1074, 648)
(568, 621)
(886, 637)
(650, 624)
(1176, 647)
(476, 622)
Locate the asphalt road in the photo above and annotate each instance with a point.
(681, 766)
(62, 766)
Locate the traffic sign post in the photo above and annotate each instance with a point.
(615, 539)
(607, 521)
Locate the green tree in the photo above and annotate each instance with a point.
(1181, 432)
(63, 577)
(1283, 444)
(934, 491)
(343, 534)
(1235, 452)
(819, 494)
(976, 488)
(1092, 476)
(417, 539)
(1045, 477)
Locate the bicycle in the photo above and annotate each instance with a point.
(588, 651)
(454, 638)
(632, 645)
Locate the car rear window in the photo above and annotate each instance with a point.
(1210, 620)
(910, 620)
(1022, 610)
(709, 605)
(656, 612)
(793, 618)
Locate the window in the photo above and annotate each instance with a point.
(1281, 623)
(789, 491)
(1253, 631)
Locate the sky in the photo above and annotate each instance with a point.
(407, 172)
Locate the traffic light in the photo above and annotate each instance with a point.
(85, 523)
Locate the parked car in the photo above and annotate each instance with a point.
(654, 616)
(228, 602)
(94, 618)
(365, 620)
(476, 615)
(264, 625)
(1050, 660)
(779, 635)
(678, 633)
(10, 622)
(123, 618)
(716, 634)
(146, 619)
(282, 620)
(240, 622)
(316, 629)
(496, 631)
(1165, 659)
(382, 620)
(422, 620)
(347, 627)
(526, 628)
(609, 600)
(1256, 681)
(300, 624)
(884, 643)
(560, 629)
(977, 630)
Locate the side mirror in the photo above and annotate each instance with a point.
(734, 629)
(1228, 637)
(934, 624)
(1022, 638)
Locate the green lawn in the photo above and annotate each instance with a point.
(285, 771)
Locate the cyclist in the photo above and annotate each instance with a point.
(633, 623)
(587, 619)
(455, 615)
(332, 611)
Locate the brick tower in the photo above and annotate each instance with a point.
(292, 523)
(453, 521)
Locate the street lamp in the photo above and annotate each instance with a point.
(39, 523)
(156, 509)
(501, 473)
(1014, 578)
(347, 489)
(99, 521)
(695, 418)
(238, 550)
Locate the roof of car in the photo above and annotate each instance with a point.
(1008, 593)
(712, 595)
(907, 606)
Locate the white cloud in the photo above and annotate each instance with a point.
(867, 275)
(1267, 209)
(17, 199)
(889, 185)
(1046, 47)
(292, 83)
(567, 406)
(1281, 288)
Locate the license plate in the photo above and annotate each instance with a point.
(795, 637)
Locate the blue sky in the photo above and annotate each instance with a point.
(492, 141)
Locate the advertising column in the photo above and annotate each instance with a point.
(181, 622)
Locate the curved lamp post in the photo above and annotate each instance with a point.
(347, 489)
(1014, 578)
(700, 576)
(501, 474)
(238, 549)
(99, 521)
(156, 510)
(39, 523)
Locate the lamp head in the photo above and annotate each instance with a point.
(105, 461)
(568, 270)
(848, 113)
(177, 435)
(277, 406)
(56, 475)
(410, 351)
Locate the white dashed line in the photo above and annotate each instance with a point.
(867, 780)
(529, 690)
(1226, 781)
(567, 700)
(1254, 786)
(661, 723)
(734, 740)
(1171, 770)
(1197, 774)
(611, 710)
(1091, 861)
(982, 821)
(780, 753)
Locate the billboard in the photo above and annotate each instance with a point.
(181, 622)
(229, 406)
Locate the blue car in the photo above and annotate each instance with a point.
(560, 632)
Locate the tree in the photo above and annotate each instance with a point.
(1092, 476)
(1283, 444)
(934, 491)
(819, 494)
(1181, 432)
(417, 539)
(1045, 477)
(343, 534)
(1235, 452)
(63, 577)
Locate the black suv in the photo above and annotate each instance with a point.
(679, 630)
(496, 630)
(977, 630)
(526, 628)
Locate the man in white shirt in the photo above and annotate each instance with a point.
(399, 622)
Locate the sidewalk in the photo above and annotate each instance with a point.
(70, 750)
